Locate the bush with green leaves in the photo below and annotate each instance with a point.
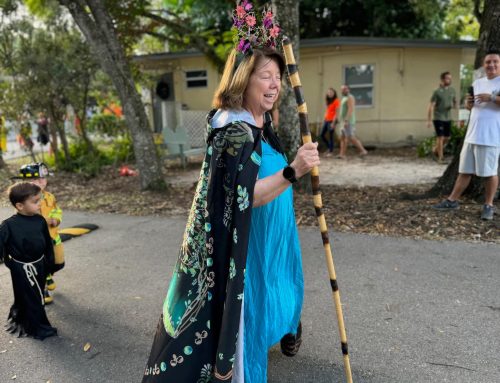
(121, 149)
(107, 124)
(83, 161)
(424, 149)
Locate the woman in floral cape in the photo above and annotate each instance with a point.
(237, 287)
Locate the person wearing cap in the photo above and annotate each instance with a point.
(37, 173)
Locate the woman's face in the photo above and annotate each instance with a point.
(330, 93)
(263, 87)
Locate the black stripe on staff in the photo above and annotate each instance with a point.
(293, 74)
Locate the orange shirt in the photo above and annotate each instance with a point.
(330, 110)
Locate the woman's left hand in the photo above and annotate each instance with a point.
(307, 157)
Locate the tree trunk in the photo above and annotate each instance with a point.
(55, 129)
(489, 39)
(83, 120)
(53, 139)
(64, 141)
(489, 32)
(287, 14)
(97, 27)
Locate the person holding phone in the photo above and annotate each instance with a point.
(481, 150)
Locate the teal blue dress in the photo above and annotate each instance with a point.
(274, 283)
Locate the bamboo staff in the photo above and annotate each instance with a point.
(293, 74)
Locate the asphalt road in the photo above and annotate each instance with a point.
(415, 311)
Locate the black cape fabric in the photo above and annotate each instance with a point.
(195, 341)
(28, 253)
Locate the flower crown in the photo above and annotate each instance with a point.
(252, 32)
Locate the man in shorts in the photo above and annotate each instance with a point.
(347, 118)
(481, 150)
(442, 100)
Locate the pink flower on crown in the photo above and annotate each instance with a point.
(250, 20)
(240, 12)
(246, 5)
(274, 31)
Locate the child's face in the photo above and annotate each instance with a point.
(42, 182)
(31, 206)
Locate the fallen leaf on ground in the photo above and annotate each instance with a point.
(86, 347)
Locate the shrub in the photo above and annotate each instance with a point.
(424, 149)
(83, 161)
(107, 124)
(121, 149)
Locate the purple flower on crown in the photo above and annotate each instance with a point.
(243, 45)
(254, 30)
(238, 22)
(268, 19)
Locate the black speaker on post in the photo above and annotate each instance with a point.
(163, 90)
(165, 87)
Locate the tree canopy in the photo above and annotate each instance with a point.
(374, 18)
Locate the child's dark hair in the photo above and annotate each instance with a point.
(21, 191)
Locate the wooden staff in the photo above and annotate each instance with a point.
(293, 74)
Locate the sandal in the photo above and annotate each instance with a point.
(290, 344)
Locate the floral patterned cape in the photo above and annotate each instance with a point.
(195, 341)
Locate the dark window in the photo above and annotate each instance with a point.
(359, 78)
(196, 79)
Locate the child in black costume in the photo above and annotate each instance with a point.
(26, 247)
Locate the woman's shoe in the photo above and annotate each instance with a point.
(290, 343)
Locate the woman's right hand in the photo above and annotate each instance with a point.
(307, 157)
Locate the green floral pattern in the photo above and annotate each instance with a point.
(210, 266)
(243, 198)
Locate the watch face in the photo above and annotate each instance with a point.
(289, 173)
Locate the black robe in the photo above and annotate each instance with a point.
(196, 337)
(29, 254)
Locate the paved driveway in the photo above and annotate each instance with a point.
(415, 311)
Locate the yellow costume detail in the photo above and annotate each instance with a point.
(3, 135)
(49, 210)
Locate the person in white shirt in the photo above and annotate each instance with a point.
(481, 150)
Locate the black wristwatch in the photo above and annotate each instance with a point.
(289, 174)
